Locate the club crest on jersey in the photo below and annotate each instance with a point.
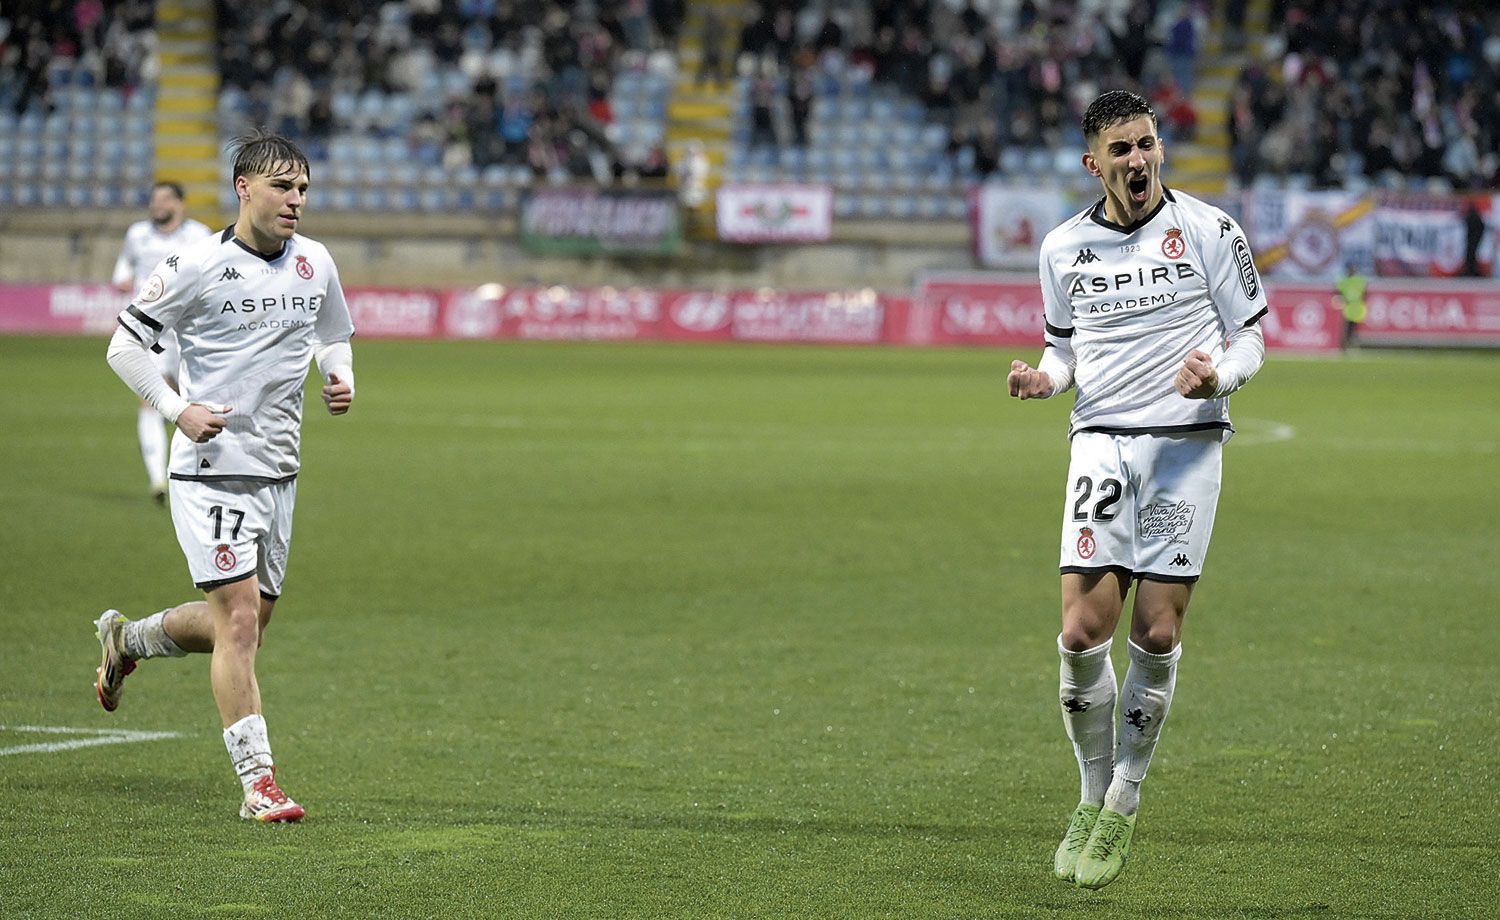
(155, 287)
(304, 268)
(224, 558)
(1086, 543)
(1173, 246)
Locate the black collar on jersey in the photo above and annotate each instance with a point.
(1096, 213)
(228, 235)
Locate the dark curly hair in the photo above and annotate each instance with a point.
(1113, 107)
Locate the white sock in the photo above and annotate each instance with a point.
(1144, 701)
(148, 638)
(1087, 694)
(153, 437)
(249, 750)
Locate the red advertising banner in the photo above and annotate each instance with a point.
(1301, 317)
(975, 309)
(1419, 313)
(998, 310)
(971, 309)
(394, 313)
(59, 308)
(852, 317)
(493, 311)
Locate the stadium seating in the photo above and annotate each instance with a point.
(418, 137)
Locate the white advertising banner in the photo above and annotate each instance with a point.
(1010, 221)
(1434, 237)
(775, 213)
(1311, 236)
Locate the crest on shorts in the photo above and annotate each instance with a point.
(304, 268)
(1086, 543)
(1173, 246)
(224, 558)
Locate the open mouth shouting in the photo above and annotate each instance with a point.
(1139, 188)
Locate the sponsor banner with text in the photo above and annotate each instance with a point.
(593, 220)
(60, 308)
(851, 317)
(492, 311)
(972, 309)
(394, 313)
(775, 213)
(1434, 237)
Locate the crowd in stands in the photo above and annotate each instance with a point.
(994, 74)
(1359, 91)
(466, 82)
(1373, 90)
(102, 43)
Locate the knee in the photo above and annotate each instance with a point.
(1158, 636)
(241, 629)
(1083, 630)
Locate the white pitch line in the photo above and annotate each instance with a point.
(98, 736)
(1271, 433)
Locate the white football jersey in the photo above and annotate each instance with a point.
(145, 246)
(248, 324)
(1134, 301)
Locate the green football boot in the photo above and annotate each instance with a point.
(1074, 841)
(1108, 848)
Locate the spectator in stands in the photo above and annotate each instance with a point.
(1182, 48)
(711, 65)
(799, 100)
(763, 106)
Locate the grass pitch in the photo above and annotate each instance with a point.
(679, 631)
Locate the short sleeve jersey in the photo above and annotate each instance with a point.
(1134, 301)
(145, 246)
(248, 324)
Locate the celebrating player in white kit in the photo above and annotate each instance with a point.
(1152, 308)
(147, 242)
(251, 306)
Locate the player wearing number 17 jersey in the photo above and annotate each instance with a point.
(252, 307)
(1152, 312)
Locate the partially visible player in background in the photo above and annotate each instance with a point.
(252, 306)
(147, 242)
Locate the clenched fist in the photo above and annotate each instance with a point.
(1026, 382)
(1197, 378)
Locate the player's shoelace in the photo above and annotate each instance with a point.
(1079, 830)
(267, 787)
(1105, 838)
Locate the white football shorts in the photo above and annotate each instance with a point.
(234, 529)
(1141, 503)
